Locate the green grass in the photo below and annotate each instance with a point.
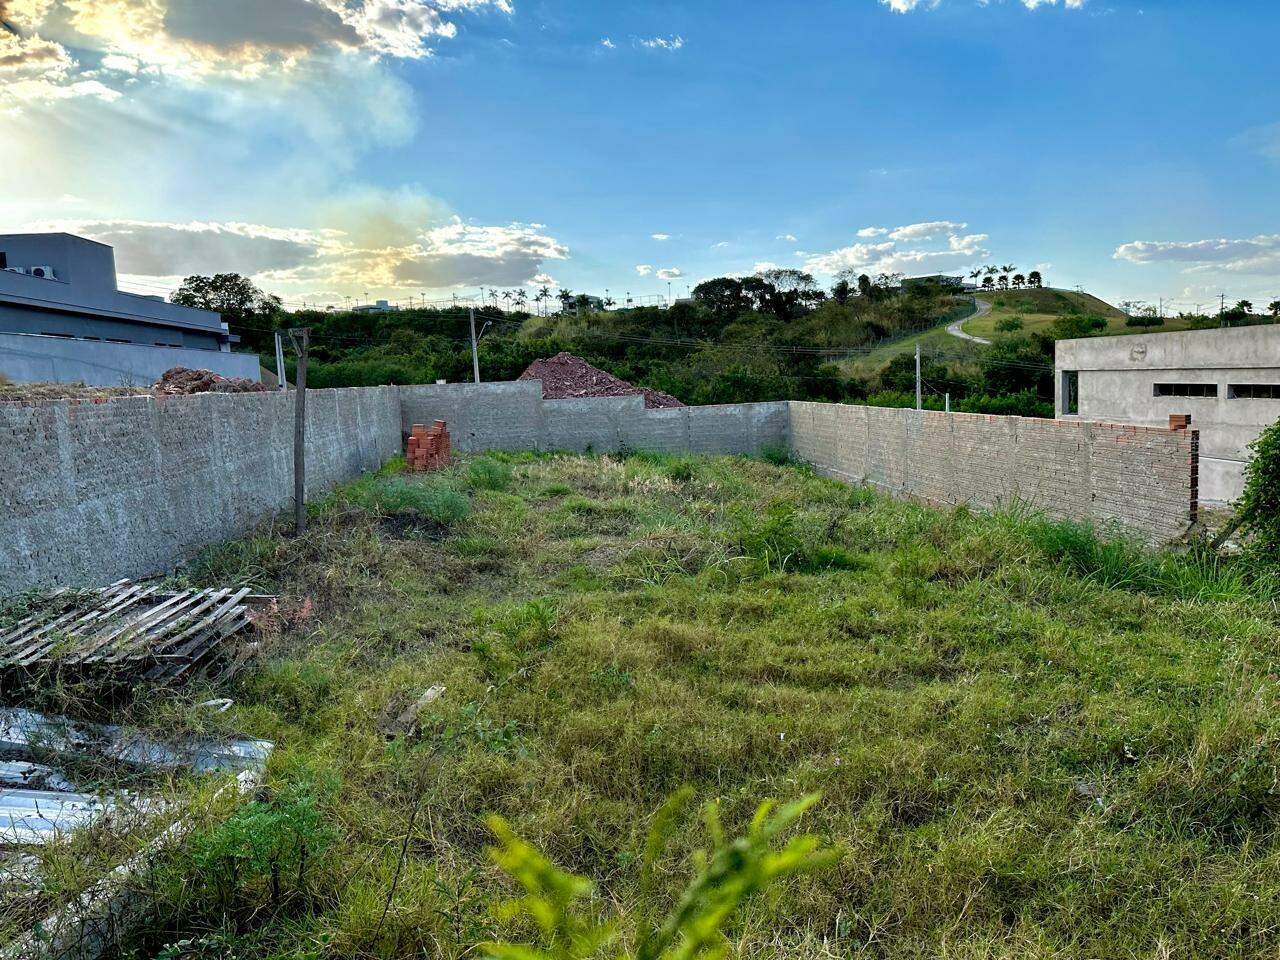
(1038, 309)
(1029, 742)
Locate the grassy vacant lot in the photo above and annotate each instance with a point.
(1028, 745)
(1037, 309)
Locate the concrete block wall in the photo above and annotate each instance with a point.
(1141, 479)
(513, 416)
(90, 493)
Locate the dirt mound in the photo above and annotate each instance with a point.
(181, 382)
(566, 377)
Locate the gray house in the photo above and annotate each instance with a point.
(63, 320)
(1227, 380)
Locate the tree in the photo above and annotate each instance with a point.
(1035, 280)
(1244, 306)
(544, 294)
(1003, 281)
(251, 314)
(565, 296)
(1273, 308)
(864, 285)
(507, 295)
(786, 291)
(1019, 281)
(521, 298)
(975, 275)
(988, 282)
(724, 297)
(841, 291)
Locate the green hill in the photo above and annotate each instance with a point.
(1038, 309)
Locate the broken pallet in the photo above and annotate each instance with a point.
(132, 632)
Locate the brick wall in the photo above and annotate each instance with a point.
(1142, 479)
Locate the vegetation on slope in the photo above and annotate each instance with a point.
(1028, 742)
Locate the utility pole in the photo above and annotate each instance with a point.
(475, 352)
(919, 385)
(301, 338)
(284, 381)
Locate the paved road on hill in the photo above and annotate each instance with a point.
(954, 329)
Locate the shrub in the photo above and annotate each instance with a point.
(1009, 324)
(778, 454)
(1259, 507)
(434, 499)
(488, 474)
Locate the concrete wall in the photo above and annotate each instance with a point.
(26, 358)
(1137, 478)
(1118, 377)
(90, 493)
(513, 416)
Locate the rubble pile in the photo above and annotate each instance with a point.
(181, 382)
(566, 377)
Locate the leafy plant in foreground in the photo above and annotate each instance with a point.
(727, 876)
(1259, 507)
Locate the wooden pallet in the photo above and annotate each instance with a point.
(132, 632)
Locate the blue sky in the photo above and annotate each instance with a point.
(393, 148)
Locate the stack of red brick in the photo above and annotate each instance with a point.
(429, 447)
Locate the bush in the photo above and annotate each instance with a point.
(1259, 507)
(433, 499)
(1009, 325)
(488, 474)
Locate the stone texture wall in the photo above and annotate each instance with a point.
(1142, 479)
(90, 493)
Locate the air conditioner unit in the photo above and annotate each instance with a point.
(44, 272)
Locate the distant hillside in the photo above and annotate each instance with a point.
(1038, 309)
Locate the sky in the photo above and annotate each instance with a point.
(425, 148)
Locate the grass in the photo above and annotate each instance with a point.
(1038, 309)
(1029, 742)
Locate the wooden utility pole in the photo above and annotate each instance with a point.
(301, 338)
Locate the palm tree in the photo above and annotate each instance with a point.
(988, 282)
(1008, 268)
(507, 295)
(610, 303)
(976, 274)
(1003, 281)
(544, 294)
(565, 296)
(1035, 280)
(1245, 305)
(521, 299)
(1019, 281)
(1273, 308)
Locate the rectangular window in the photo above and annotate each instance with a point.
(1253, 391)
(1071, 392)
(1185, 390)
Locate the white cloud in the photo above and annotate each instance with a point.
(912, 249)
(608, 44)
(644, 269)
(207, 39)
(763, 265)
(1258, 255)
(906, 6)
(670, 273)
(926, 231)
(662, 237)
(720, 246)
(662, 43)
(787, 237)
(375, 255)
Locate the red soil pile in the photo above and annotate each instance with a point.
(181, 382)
(566, 377)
